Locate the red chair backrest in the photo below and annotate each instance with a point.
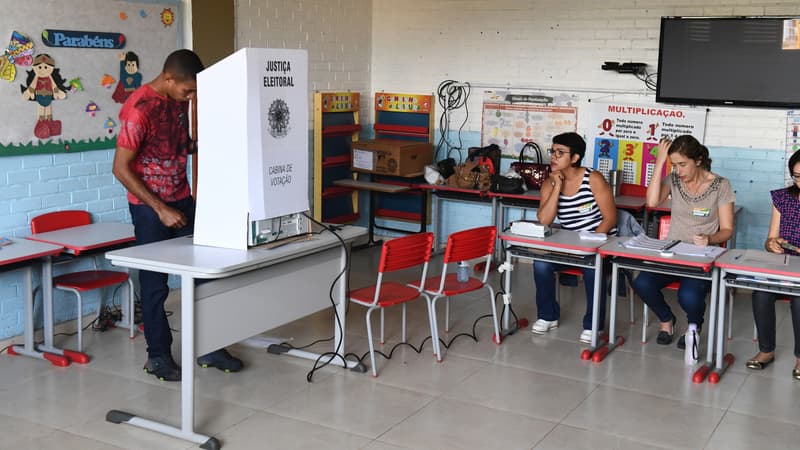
(663, 229)
(634, 190)
(59, 220)
(663, 226)
(404, 252)
(470, 244)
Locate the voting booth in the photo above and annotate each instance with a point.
(252, 113)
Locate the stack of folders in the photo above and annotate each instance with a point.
(644, 242)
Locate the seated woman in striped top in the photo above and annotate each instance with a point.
(582, 200)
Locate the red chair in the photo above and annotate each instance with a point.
(462, 246)
(87, 280)
(397, 254)
(663, 231)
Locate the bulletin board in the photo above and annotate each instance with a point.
(87, 41)
(511, 119)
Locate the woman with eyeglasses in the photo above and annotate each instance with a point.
(702, 214)
(783, 237)
(582, 200)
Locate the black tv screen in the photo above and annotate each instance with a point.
(747, 61)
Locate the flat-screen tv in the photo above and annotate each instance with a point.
(739, 61)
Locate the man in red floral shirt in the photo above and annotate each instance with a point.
(150, 161)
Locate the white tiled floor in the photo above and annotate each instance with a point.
(530, 392)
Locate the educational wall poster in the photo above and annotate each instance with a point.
(65, 70)
(510, 120)
(792, 138)
(625, 136)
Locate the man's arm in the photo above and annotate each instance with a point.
(123, 157)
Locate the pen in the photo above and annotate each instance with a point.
(785, 259)
(738, 256)
(672, 244)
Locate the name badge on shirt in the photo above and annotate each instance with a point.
(701, 212)
(586, 207)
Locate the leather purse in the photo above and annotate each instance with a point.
(534, 173)
(507, 185)
(471, 175)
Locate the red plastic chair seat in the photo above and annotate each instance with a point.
(89, 279)
(675, 285)
(392, 293)
(572, 271)
(451, 285)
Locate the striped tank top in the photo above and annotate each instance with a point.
(580, 211)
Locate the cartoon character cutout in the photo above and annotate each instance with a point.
(129, 77)
(43, 85)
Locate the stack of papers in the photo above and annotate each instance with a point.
(694, 250)
(644, 242)
(592, 236)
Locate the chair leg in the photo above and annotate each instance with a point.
(404, 324)
(558, 288)
(447, 315)
(369, 339)
(644, 323)
(434, 334)
(755, 332)
(435, 324)
(383, 341)
(496, 338)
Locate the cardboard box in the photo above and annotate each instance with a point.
(391, 157)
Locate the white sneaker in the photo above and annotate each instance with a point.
(542, 326)
(586, 336)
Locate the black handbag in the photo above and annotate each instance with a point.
(534, 173)
(507, 185)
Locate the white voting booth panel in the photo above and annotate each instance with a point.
(252, 112)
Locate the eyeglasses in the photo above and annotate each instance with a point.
(556, 153)
(795, 176)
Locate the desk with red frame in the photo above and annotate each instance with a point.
(76, 241)
(20, 255)
(699, 267)
(755, 270)
(562, 247)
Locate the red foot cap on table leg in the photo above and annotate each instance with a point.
(522, 323)
(713, 378)
(620, 340)
(496, 340)
(729, 359)
(586, 354)
(700, 375)
(11, 351)
(56, 360)
(77, 357)
(600, 354)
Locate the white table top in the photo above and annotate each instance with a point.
(88, 237)
(614, 248)
(371, 186)
(24, 250)
(566, 241)
(181, 256)
(760, 262)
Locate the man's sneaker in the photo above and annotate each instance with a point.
(222, 360)
(542, 326)
(586, 336)
(163, 367)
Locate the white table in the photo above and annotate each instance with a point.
(252, 291)
(699, 267)
(19, 256)
(561, 247)
(755, 270)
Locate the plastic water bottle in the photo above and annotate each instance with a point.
(462, 272)
(690, 353)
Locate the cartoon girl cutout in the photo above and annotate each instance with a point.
(44, 84)
(129, 77)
